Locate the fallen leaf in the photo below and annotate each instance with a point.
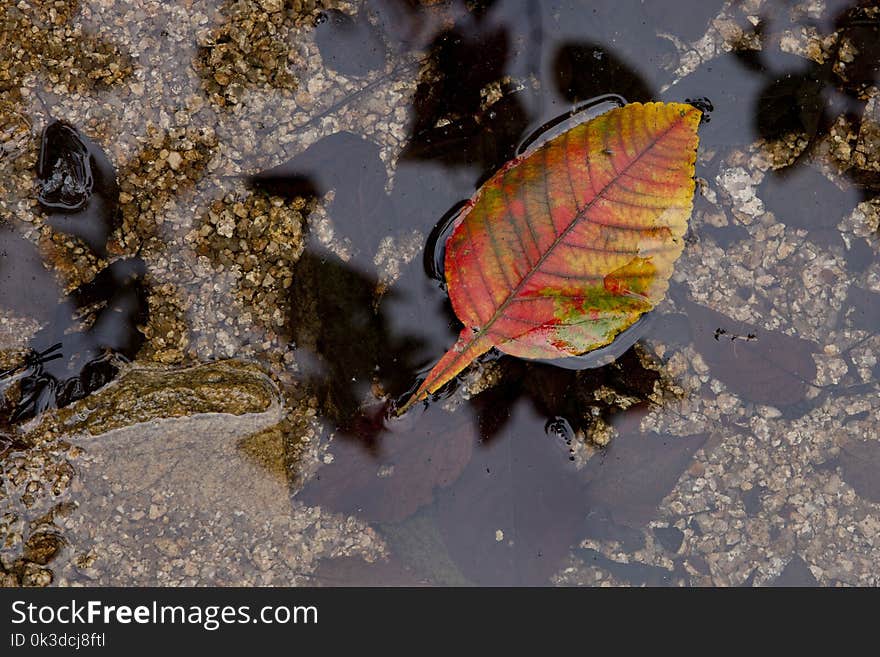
(391, 478)
(517, 508)
(773, 368)
(859, 464)
(633, 573)
(570, 244)
(637, 470)
(862, 309)
(796, 573)
(352, 571)
(805, 198)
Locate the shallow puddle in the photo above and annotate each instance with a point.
(199, 372)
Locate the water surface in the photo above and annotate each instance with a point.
(280, 199)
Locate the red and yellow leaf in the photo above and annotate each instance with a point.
(568, 245)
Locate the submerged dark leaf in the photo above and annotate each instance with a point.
(525, 487)
(633, 573)
(859, 465)
(796, 573)
(670, 538)
(451, 122)
(773, 368)
(397, 474)
(791, 104)
(353, 571)
(637, 470)
(862, 309)
(805, 198)
(560, 393)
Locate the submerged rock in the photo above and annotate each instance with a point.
(147, 394)
(170, 476)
